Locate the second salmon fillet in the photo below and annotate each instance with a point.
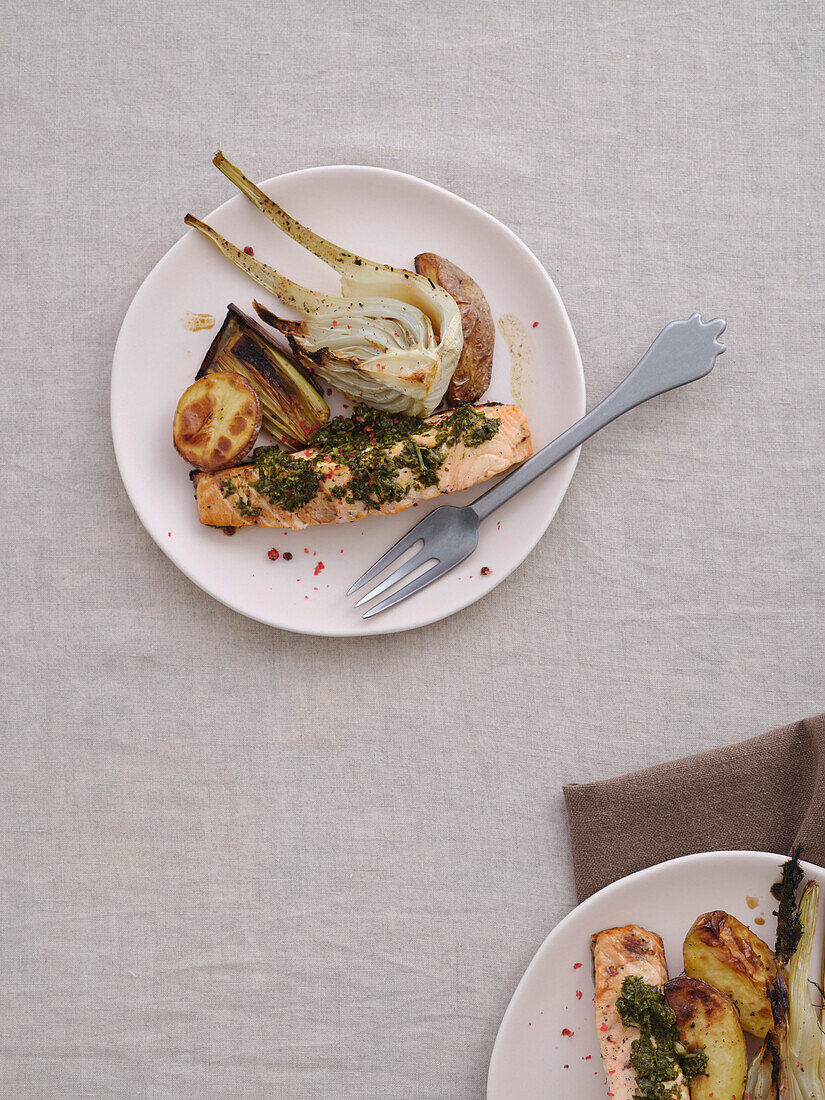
(620, 953)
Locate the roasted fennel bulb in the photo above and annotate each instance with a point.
(763, 1081)
(791, 1062)
(292, 408)
(392, 339)
(805, 1036)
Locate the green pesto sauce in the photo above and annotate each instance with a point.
(286, 481)
(364, 444)
(657, 1056)
(240, 498)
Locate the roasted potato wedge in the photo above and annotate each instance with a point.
(722, 951)
(217, 421)
(472, 375)
(708, 1021)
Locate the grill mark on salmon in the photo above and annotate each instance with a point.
(463, 466)
(620, 953)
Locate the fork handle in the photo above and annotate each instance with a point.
(683, 352)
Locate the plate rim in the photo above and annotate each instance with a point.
(723, 854)
(375, 629)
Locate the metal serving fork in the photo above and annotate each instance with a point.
(684, 351)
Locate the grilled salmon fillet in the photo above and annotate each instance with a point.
(620, 953)
(229, 498)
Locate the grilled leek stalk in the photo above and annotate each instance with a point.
(292, 407)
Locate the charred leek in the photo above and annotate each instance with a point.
(393, 339)
(292, 408)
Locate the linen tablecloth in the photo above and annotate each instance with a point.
(239, 863)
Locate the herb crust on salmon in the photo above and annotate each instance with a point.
(373, 463)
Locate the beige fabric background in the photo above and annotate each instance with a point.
(238, 863)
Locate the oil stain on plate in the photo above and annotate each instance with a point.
(522, 367)
(196, 321)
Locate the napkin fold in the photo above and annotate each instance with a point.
(765, 794)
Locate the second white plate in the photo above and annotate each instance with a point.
(546, 1046)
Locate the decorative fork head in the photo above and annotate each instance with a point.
(692, 342)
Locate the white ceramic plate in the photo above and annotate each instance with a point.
(532, 1058)
(389, 217)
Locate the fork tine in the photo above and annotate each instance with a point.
(403, 544)
(398, 575)
(438, 570)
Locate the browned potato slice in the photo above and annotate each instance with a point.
(721, 950)
(708, 1021)
(217, 421)
(472, 375)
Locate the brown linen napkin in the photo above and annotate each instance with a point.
(765, 794)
